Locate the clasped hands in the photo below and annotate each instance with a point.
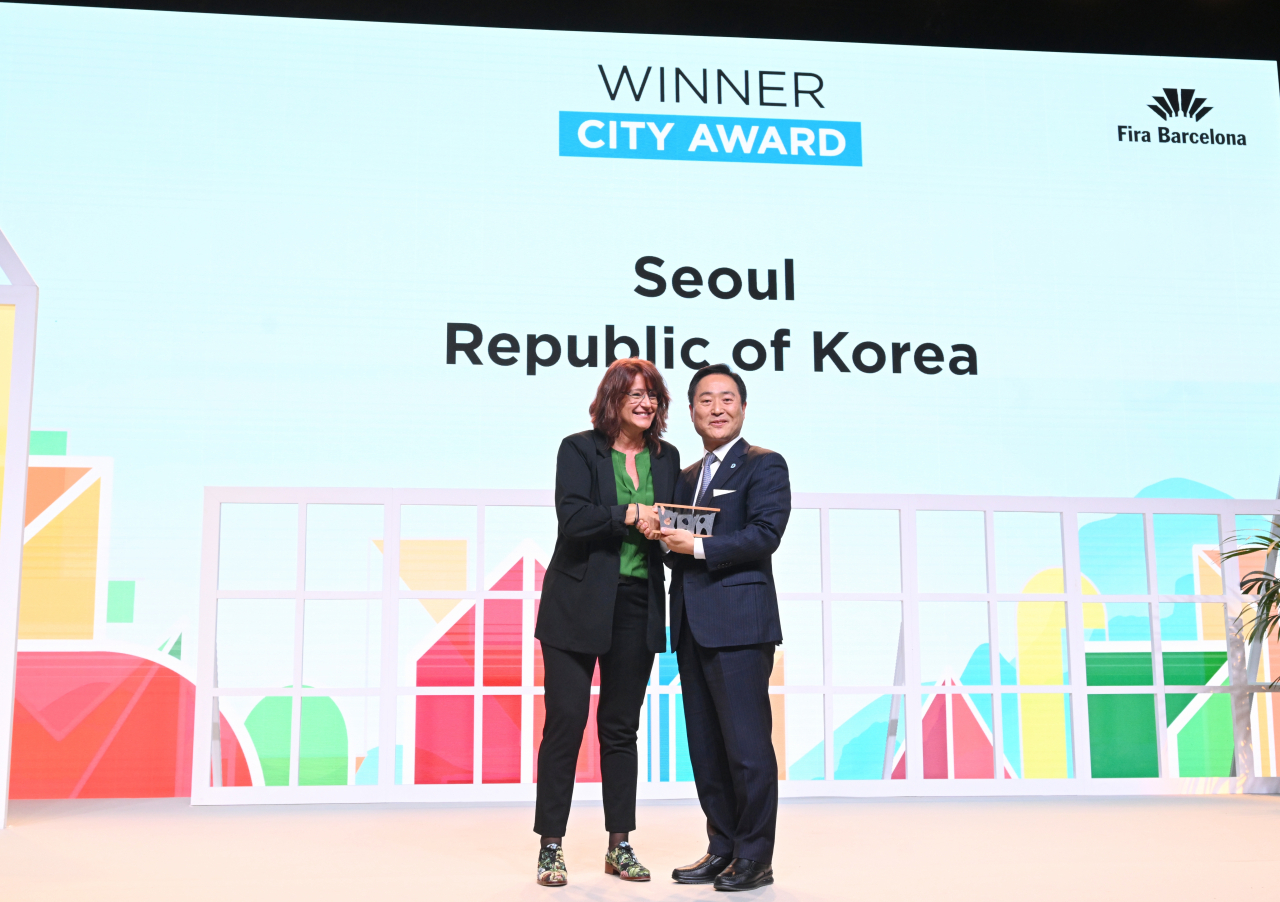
(643, 517)
(678, 540)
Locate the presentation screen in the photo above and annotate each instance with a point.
(312, 287)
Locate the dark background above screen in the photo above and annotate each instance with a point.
(1246, 29)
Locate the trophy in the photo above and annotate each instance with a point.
(697, 520)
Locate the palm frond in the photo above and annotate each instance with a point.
(1264, 611)
(1252, 542)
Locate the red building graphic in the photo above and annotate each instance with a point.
(445, 725)
(957, 741)
(100, 724)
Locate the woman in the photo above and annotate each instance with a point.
(602, 600)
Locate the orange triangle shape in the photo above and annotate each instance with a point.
(46, 484)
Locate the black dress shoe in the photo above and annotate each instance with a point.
(742, 874)
(704, 870)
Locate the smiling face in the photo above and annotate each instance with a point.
(640, 406)
(717, 410)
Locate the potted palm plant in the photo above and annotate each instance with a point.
(1263, 584)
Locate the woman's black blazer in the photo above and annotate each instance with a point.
(581, 583)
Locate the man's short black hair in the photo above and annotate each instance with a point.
(718, 369)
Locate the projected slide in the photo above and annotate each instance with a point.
(319, 300)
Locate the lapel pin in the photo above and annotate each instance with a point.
(731, 466)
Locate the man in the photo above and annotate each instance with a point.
(724, 626)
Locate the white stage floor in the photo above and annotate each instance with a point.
(885, 849)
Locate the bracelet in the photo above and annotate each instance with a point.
(637, 520)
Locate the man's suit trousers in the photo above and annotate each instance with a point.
(730, 728)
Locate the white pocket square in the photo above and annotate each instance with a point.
(716, 493)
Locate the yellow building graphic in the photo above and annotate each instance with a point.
(64, 577)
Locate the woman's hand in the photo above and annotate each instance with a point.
(651, 527)
(646, 521)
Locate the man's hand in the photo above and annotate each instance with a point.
(678, 540)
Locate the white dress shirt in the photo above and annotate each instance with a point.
(715, 465)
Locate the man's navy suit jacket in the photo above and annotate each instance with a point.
(729, 598)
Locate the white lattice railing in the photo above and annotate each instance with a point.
(819, 578)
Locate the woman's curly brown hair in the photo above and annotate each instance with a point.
(606, 409)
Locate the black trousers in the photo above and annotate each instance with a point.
(730, 727)
(624, 674)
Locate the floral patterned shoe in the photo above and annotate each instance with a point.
(621, 860)
(551, 869)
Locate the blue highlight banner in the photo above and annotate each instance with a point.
(724, 139)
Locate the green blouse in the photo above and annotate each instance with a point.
(635, 547)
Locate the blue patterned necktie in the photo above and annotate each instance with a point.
(706, 476)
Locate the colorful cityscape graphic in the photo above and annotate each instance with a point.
(94, 717)
(102, 714)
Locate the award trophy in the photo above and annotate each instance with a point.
(697, 520)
